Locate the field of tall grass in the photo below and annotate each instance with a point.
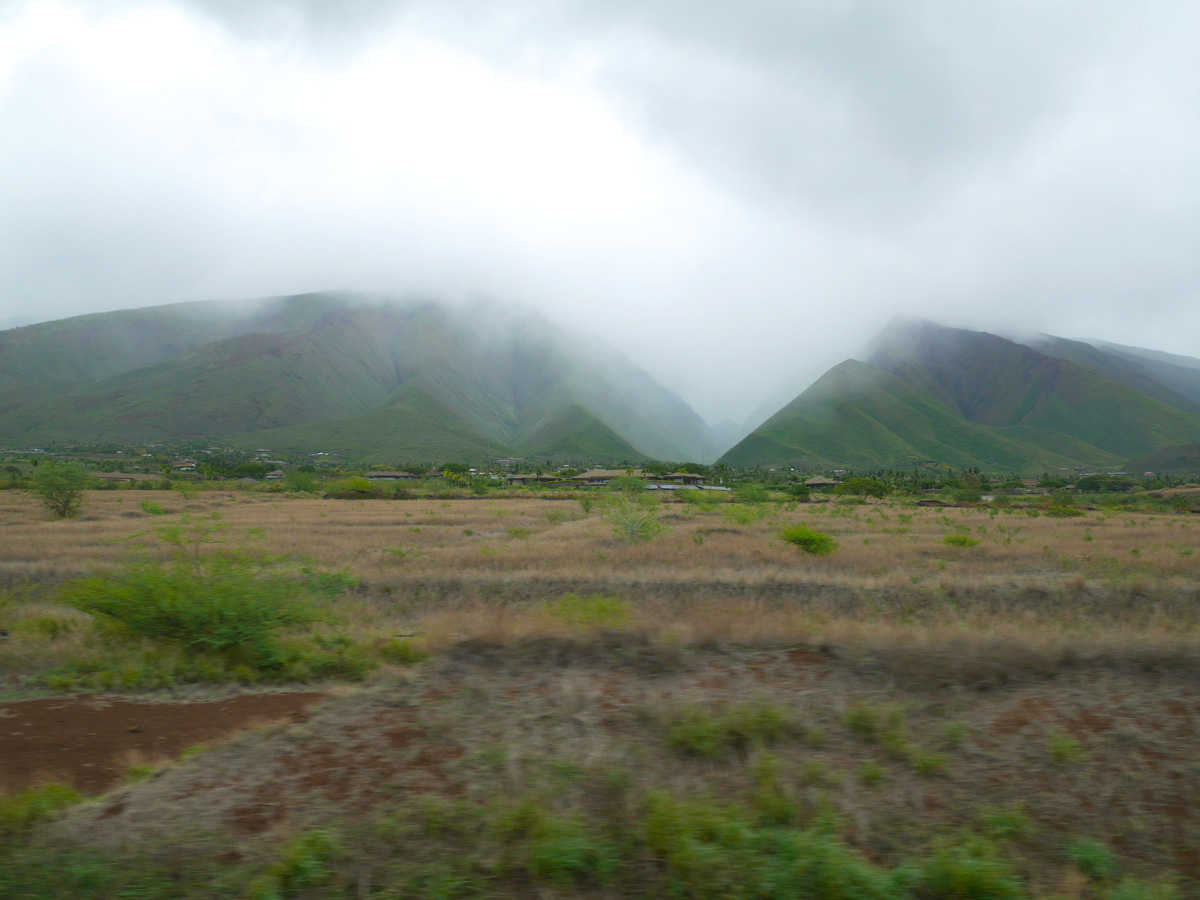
(620, 696)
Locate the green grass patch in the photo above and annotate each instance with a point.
(697, 731)
(591, 612)
(960, 540)
(816, 543)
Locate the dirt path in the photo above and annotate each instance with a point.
(90, 742)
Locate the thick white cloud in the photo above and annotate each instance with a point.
(736, 195)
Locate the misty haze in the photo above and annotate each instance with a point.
(552, 449)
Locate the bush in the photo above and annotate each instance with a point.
(299, 481)
(707, 850)
(970, 872)
(1093, 859)
(590, 613)
(220, 603)
(632, 522)
(864, 487)
(815, 542)
(752, 493)
(698, 732)
(354, 489)
(61, 488)
(627, 484)
(960, 540)
(20, 812)
(402, 652)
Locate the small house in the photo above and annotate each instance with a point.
(600, 477)
(821, 483)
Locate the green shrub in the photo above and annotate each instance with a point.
(960, 540)
(745, 513)
(1093, 859)
(1063, 749)
(627, 484)
(1136, 889)
(707, 850)
(563, 851)
(48, 627)
(299, 481)
(1006, 825)
(402, 652)
(60, 487)
(20, 812)
(152, 508)
(972, 871)
(306, 862)
(752, 493)
(632, 522)
(217, 604)
(591, 612)
(810, 541)
(699, 732)
(354, 489)
(871, 773)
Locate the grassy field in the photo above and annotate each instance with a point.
(614, 697)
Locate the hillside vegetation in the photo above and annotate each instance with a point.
(337, 373)
(929, 394)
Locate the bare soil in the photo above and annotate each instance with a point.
(90, 742)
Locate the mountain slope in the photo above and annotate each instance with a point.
(963, 398)
(412, 426)
(861, 416)
(1181, 374)
(334, 370)
(577, 434)
(1125, 370)
(1183, 460)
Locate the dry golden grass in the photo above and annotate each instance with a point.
(1122, 588)
(475, 559)
(1048, 670)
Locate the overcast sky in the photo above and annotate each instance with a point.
(735, 194)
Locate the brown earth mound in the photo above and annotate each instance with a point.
(90, 742)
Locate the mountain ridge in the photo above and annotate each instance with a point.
(485, 380)
(928, 394)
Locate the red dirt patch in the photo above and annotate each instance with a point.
(88, 741)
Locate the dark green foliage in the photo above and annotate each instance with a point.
(1092, 858)
(752, 493)
(301, 481)
(708, 850)
(219, 604)
(809, 540)
(863, 487)
(61, 487)
(971, 871)
(306, 862)
(402, 652)
(20, 812)
(700, 732)
(1104, 484)
(960, 540)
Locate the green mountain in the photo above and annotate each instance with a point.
(1126, 369)
(1183, 460)
(1181, 374)
(381, 380)
(929, 394)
